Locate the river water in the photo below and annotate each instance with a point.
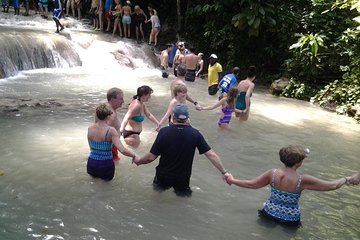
(45, 192)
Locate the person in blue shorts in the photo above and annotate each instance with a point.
(57, 13)
(126, 18)
(176, 145)
(101, 138)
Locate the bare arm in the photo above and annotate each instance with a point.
(142, 12)
(218, 104)
(167, 113)
(188, 98)
(115, 138)
(201, 66)
(147, 158)
(149, 115)
(128, 115)
(316, 184)
(258, 182)
(134, 109)
(248, 95)
(197, 105)
(238, 111)
(215, 160)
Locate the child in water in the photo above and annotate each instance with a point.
(227, 103)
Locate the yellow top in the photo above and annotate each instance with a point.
(213, 74)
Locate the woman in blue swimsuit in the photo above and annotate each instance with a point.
(101, 138)
(131, 125)
(287, 185)
(246, 87)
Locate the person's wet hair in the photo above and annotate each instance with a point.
(181, 70)
(236, 70)
(231, 96)
(292, 155)
(102, 111)
(251, 71)
(142, 91)
(179, 88)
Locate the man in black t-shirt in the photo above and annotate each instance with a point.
(176, 146)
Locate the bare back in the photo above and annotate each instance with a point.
(286, 180)
(99, 132)
(245, 85)
(191, 61)
(126, 10)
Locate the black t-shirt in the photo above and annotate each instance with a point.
(176, 146)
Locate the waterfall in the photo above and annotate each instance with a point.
(26, 49)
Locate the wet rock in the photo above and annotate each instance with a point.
(24, 105)
(278, 86)
(123, 60)
(10, 109)
(354, 110)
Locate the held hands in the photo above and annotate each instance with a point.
(227, 177)
(197, 106)
(136, 160)
(354, 179)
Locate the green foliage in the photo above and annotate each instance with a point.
(340, 96)
(305, 61)
(298, 90)
(315, 42)
(308, 43)
(254, 14)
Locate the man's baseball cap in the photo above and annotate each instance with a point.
(181, 113)
(213, 56)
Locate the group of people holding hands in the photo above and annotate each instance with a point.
(238, 101)
(176, 144)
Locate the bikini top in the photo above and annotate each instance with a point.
(138, 118)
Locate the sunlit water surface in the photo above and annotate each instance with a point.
(47, 194)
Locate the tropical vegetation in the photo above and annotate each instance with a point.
(314, 43)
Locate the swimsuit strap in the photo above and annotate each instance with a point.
(298, 184)
(106, 134)
(273, 178)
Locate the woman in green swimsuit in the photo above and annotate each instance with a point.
(246, 87)
(131, 125)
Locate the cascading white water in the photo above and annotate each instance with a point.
(33, 49)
